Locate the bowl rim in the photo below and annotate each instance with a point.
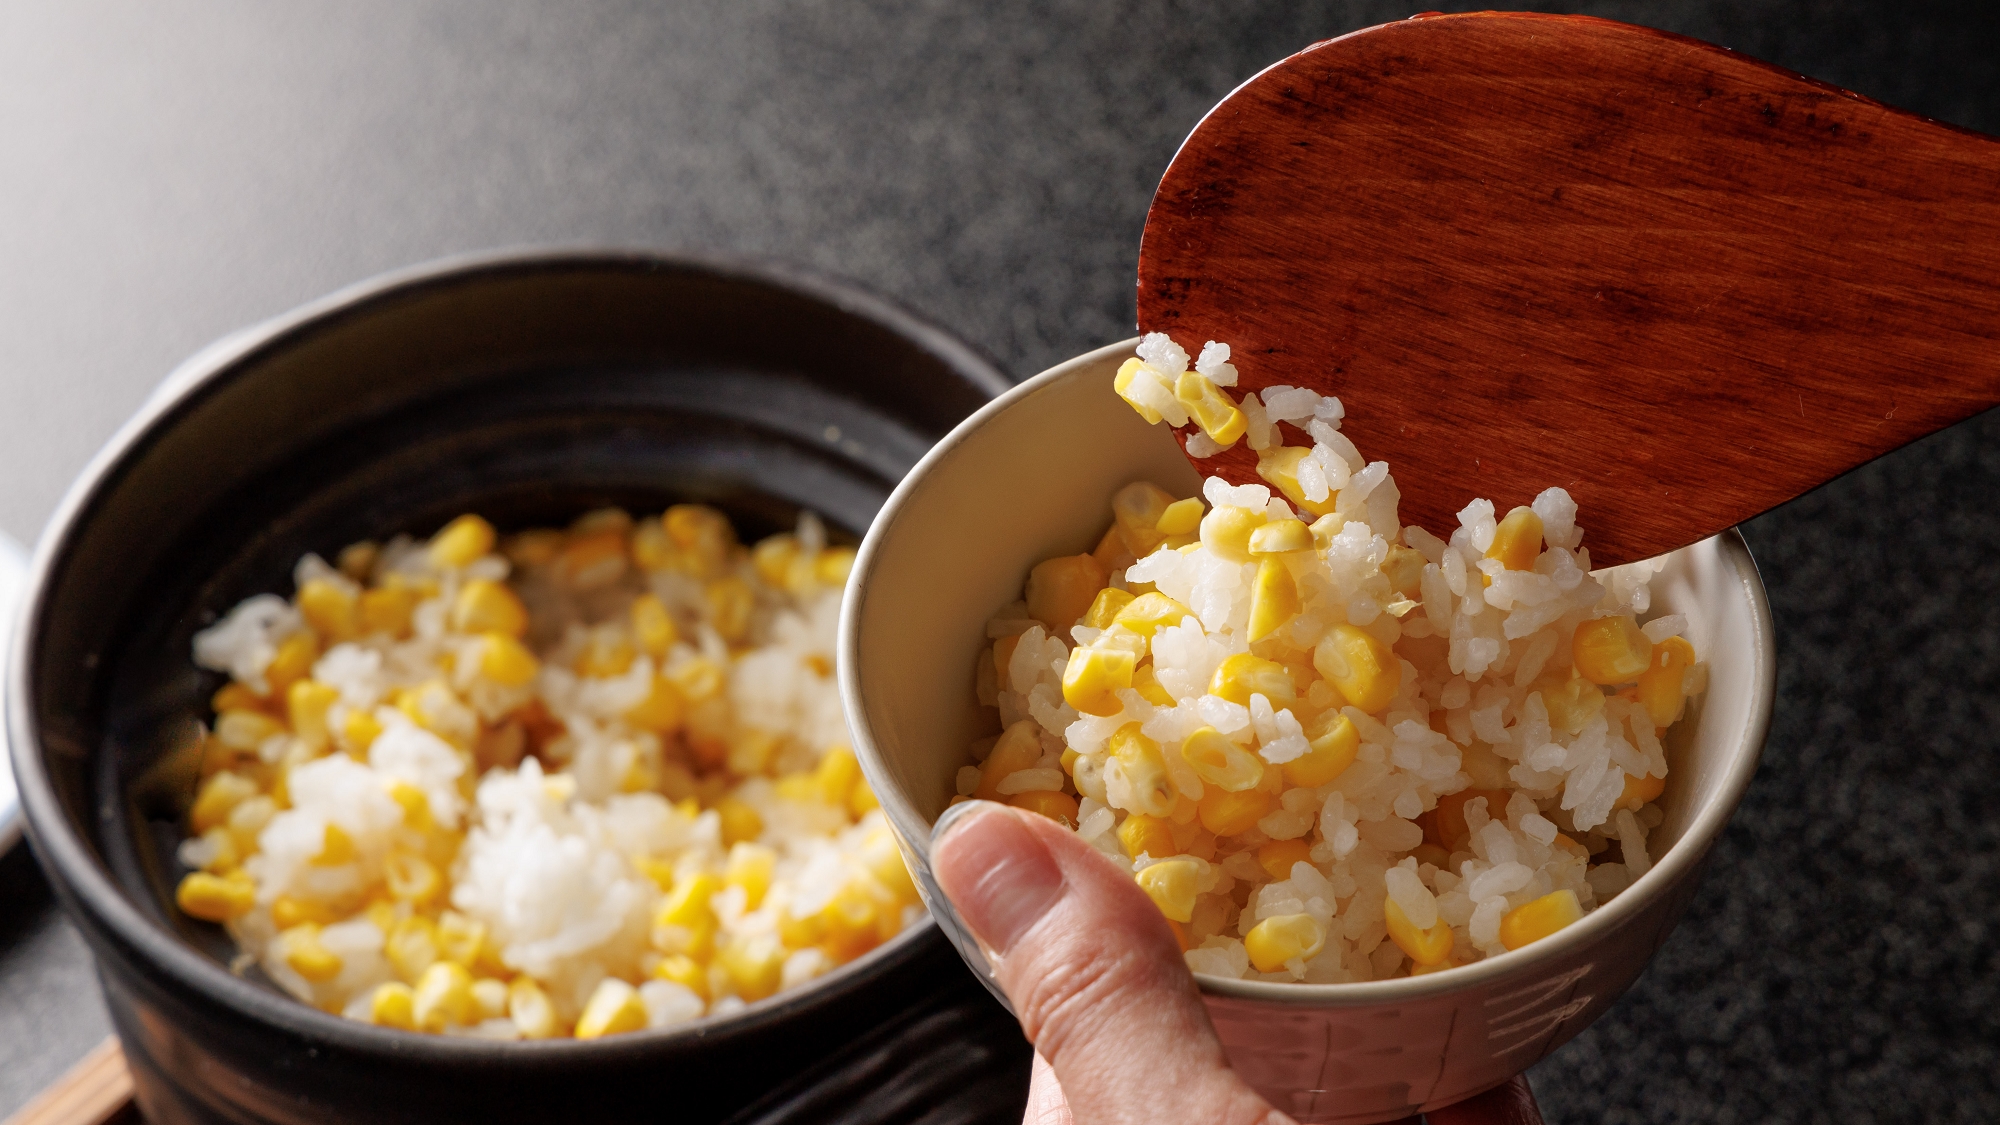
(1680, 862)
(89, 890)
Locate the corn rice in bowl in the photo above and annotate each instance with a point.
(1330, 747)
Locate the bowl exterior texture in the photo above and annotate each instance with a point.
(531, 387)
(1031, 476)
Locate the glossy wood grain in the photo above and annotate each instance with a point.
(96, 1091)
(1532, 250)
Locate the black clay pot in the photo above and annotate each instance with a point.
(530, 387)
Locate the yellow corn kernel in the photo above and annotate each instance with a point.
(1146, 682)
(739, 821)
(331, 608)
(884, 860)
(336, 847)
(1147, 835)
(248, 819)
(592, 558)
(292, 663)
(687, 903)
(730, 601)
(684, 971)
(613, 1009)
(702, 537)
(772, 558)
(485, 606)
(1137, 509)
(411, 947)
(1281, 938)
(460, 542)
(1059, 807)
(1278, 856)
(1093, 677)
(388, 609)
(1138, 758)
(1149, 613)
(1280, 537)
(1359, 666)
(1172, 884)
(653, 625)
(1572, 703)
(1639, 790)
(699, 679)
(304, 954)
(1611, 650)
(1221, 762)
(862, 801)
(837, 774)
(307, 703)
(1279, 466)
(233, 696)
(663, 710)
(1274, 599)
(1334, 742)
(506, 661)
(393, 1005)
(489, 998)
(754, 966)
(443, 997)
(218, 797)
(245, 731)
(1533, 921)
(1517, 541)
(1067, 760)
(288, 911)
(652, 548)
(412, 878)
(1425, 947)
(1232, 814)
(750, 867)
(415, 804)
(799, 933)
(1242, 675)
(834, 565)
(1405, 570)
(798, 787)
(216, 898)
(1182, 517)
(1060, 590)
(1661, 686)
(1122, 384)
(528, 1006)
(1211, 409)
(1019, 748)
(357, 560)
(463, 940)
(1105, 607)
(1226, 531)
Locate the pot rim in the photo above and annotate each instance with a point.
(1680, 862)
(89, 888)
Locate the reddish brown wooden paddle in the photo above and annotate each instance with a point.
(1533, 250)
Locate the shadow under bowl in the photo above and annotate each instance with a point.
(529, 387)
(1031, 476)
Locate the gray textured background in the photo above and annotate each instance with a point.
(169, 171)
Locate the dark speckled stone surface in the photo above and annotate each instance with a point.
(169, 172)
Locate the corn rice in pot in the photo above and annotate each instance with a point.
(570, 782)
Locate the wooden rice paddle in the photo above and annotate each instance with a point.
(1534, 250)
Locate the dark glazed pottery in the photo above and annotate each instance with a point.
(530, 387)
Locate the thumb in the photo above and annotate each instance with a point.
(1093, 971)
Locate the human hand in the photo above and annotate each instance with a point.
(1120, 1032)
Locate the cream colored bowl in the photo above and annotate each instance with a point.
(1030, 476)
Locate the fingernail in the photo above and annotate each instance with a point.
(999, 876)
